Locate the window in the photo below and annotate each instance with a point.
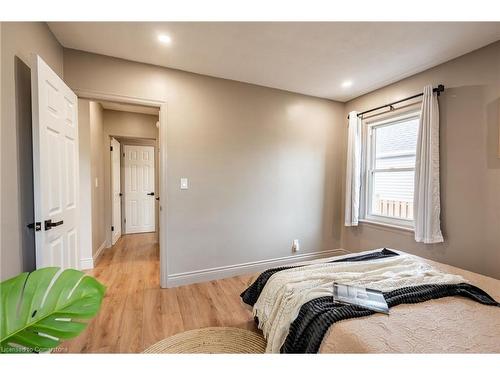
(389, 166)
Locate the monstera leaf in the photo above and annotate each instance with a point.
(42, 308)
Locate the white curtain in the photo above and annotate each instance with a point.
(426, 203)
(353, 172)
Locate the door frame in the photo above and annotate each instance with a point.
(111, 185)
(133, 141)
(162, 168)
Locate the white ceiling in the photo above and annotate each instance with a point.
(130, 108)
(309, 58)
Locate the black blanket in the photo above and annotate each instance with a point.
(316, 316)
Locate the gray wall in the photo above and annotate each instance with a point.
(18, 41)
(470, 167)
(264, 165)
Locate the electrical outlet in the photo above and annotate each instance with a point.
(295, 246)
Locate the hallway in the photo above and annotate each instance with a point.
(136, 312)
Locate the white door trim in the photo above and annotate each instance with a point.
(162, 165)
(116, 194)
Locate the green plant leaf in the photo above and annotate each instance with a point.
(44, 307)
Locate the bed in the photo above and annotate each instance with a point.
(444, 325)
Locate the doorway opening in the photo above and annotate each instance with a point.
(125, 174)
(134, 186)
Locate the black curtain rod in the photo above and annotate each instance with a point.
(438, 89)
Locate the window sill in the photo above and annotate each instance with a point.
(386, 225)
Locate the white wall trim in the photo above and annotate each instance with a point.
(98, 95)
(208, 274)
(97, 254)
(86, 264)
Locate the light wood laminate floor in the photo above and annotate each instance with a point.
(136, 312)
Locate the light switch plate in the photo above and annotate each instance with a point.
(184, 183)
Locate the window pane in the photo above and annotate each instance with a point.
(392, 194)
(395, 145)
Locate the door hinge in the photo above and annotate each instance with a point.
(112, 228)
(124, 220)
(111, 148)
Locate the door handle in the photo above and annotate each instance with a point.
(49, 224)
(151, 193)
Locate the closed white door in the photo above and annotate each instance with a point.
(139, 167)
(116, 199)
(55, 167)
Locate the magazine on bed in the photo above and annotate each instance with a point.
(364, 297)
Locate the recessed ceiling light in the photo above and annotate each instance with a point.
(346, 84)
(164, 39)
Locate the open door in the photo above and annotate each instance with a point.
(55, 167)
(116, 195)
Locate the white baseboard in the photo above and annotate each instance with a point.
(209, 274)
(86, 263)
(97, 254)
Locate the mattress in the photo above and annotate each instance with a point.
(446, 325)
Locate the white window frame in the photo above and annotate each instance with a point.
(368, 170)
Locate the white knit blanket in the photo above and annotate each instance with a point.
(286, 291)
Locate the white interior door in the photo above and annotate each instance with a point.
(139, 168)
(116, 199)
(55, 167)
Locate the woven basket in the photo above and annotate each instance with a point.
(211, 341)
